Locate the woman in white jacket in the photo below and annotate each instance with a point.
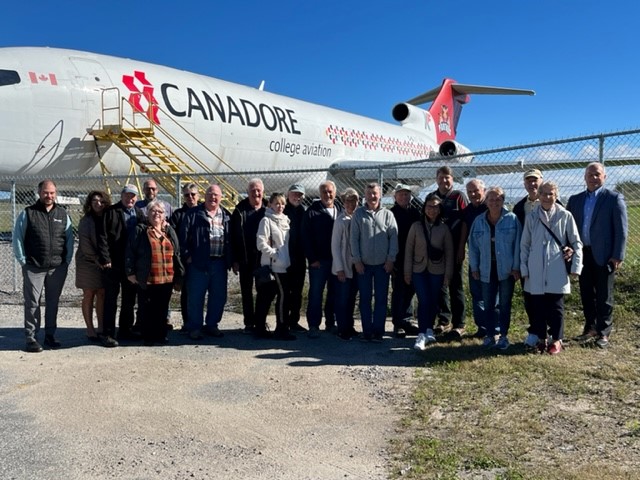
(542, 265)
(342, 267)
(273, 244)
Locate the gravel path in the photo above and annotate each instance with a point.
(234, 407)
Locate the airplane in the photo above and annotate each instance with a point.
(63, 110)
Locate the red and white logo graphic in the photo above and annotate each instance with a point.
(43, 78)
(141, 96)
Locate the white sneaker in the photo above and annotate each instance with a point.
(531, 340)
(431, 338)
(489, 342)
(421, 342)
(503, 343)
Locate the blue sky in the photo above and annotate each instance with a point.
(581, 57)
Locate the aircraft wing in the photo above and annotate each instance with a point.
(462, 88)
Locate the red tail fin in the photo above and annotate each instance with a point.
(448, 100)
(446, 109)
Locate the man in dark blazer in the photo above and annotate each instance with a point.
(601, 216)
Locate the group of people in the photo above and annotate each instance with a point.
(142, 250)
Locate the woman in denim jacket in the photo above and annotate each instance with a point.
(494, 259)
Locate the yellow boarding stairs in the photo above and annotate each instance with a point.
(136, 136)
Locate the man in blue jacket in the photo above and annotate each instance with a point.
(317, 227)
(205, 248)
(601, 216)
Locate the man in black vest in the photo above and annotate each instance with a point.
(43, 245)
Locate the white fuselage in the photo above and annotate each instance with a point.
(58, 98)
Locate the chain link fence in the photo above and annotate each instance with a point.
(562, 161)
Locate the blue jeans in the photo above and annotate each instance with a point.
(374, 279)
(502, 292)
(345, 303)
(428, 287)
(475, 288)
(319, 278)
(206, 279)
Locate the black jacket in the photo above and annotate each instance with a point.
(113, 235)
(317, 227)
(244, 230)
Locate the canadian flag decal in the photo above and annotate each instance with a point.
(43, 78)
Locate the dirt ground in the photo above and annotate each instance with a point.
(235, 407)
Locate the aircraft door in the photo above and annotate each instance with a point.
(92, 78)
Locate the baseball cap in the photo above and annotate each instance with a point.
(129, 188)
(401, 186)
(297, 188)
(534, 172)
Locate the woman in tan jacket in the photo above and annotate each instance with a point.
(428, 263)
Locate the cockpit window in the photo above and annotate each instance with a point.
(9, 77)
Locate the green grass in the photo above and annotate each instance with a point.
(521, 416)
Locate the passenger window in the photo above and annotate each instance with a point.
(9, 77)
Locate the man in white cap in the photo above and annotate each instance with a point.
(297, 271)
(119, 222)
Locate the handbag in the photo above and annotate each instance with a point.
(567, 263)
(263, 275)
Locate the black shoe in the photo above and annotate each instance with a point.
(262, 333)
(108, 341)
(213, 331)
(248, 330)
(330, 328)
(377, 338)
(297, 328)
(345, 335)
(33, 346)
(128, 335)
(399, 332)
(284, 335)
(481, 333)
(51, 342)
(586, 337)
(409, 328)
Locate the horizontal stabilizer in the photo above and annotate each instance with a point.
(460, 88)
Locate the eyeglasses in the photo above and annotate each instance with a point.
(156, 212)
(190, 194)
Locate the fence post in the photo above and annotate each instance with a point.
(178, 198)
(601, 149)
(13, 222)
(381, 180)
